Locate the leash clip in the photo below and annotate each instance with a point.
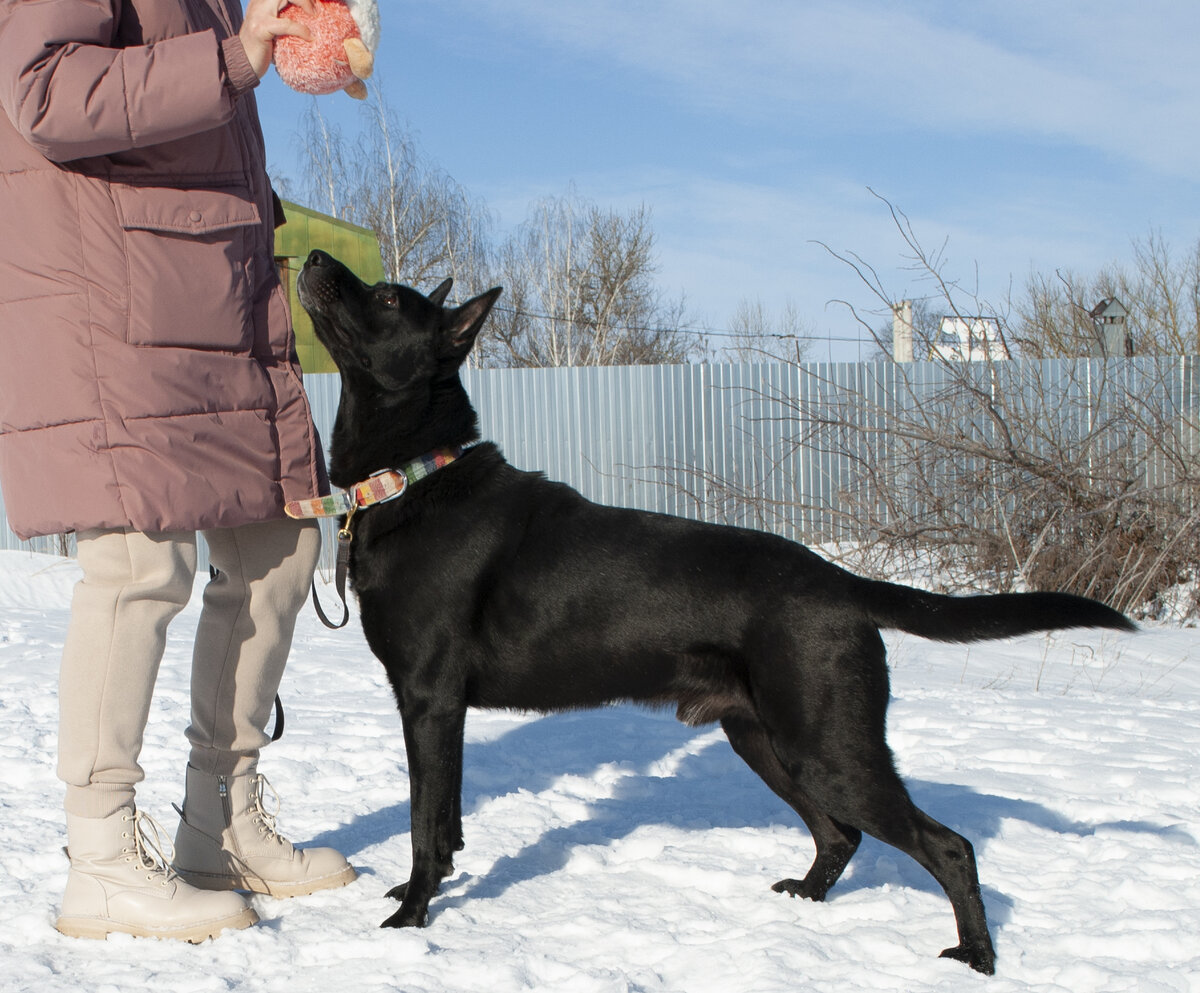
(344, 532)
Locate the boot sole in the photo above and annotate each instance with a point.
(248, 883)
(99, 928)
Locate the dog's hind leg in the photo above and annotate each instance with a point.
(886, 812)
(835, 843)
(871, 797)
(829, 738)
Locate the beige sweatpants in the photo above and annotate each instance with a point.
(133, 585)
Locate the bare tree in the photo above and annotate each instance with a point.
(327, 182)
(1160, 290)
(757, 335)
(579, 280)
(429, 227)
(580, 290)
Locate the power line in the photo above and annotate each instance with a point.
(709, 332)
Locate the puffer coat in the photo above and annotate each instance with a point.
(148, 376)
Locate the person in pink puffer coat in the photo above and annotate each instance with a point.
(149, 390)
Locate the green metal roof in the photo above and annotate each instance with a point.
(357, 247)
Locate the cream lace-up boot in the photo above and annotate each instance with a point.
(227, 840)
(120, 883)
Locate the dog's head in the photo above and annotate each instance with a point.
(399, 354)
(388, 335)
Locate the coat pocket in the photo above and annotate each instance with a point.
(190, 256)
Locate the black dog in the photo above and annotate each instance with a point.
(485, 586)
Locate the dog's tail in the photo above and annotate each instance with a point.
(977, 618)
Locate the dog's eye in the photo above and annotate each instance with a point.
(389, 298)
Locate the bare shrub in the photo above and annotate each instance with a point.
(1078, 475)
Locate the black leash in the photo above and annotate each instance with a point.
(341, 570)
(278, 732)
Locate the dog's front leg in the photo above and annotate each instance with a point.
(433, 737)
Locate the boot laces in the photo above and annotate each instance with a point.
(151, 849)
(260, 815)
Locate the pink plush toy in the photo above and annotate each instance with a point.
(345, 34)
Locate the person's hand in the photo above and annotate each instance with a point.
(262, 25)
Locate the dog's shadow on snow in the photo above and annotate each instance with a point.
(664, 773)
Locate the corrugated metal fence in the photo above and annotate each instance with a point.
(700, 440)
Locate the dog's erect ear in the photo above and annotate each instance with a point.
(463, 323)
(439, 295)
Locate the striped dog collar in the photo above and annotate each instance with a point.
(378, 488)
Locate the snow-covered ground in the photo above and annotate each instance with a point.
(618, 850)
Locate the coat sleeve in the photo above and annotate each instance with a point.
(71, 94)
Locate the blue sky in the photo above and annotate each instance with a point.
(1015, 136)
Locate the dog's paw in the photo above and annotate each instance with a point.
(800, 888)
(980, 959)
(406, 918)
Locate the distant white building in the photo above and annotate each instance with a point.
(969, 339)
